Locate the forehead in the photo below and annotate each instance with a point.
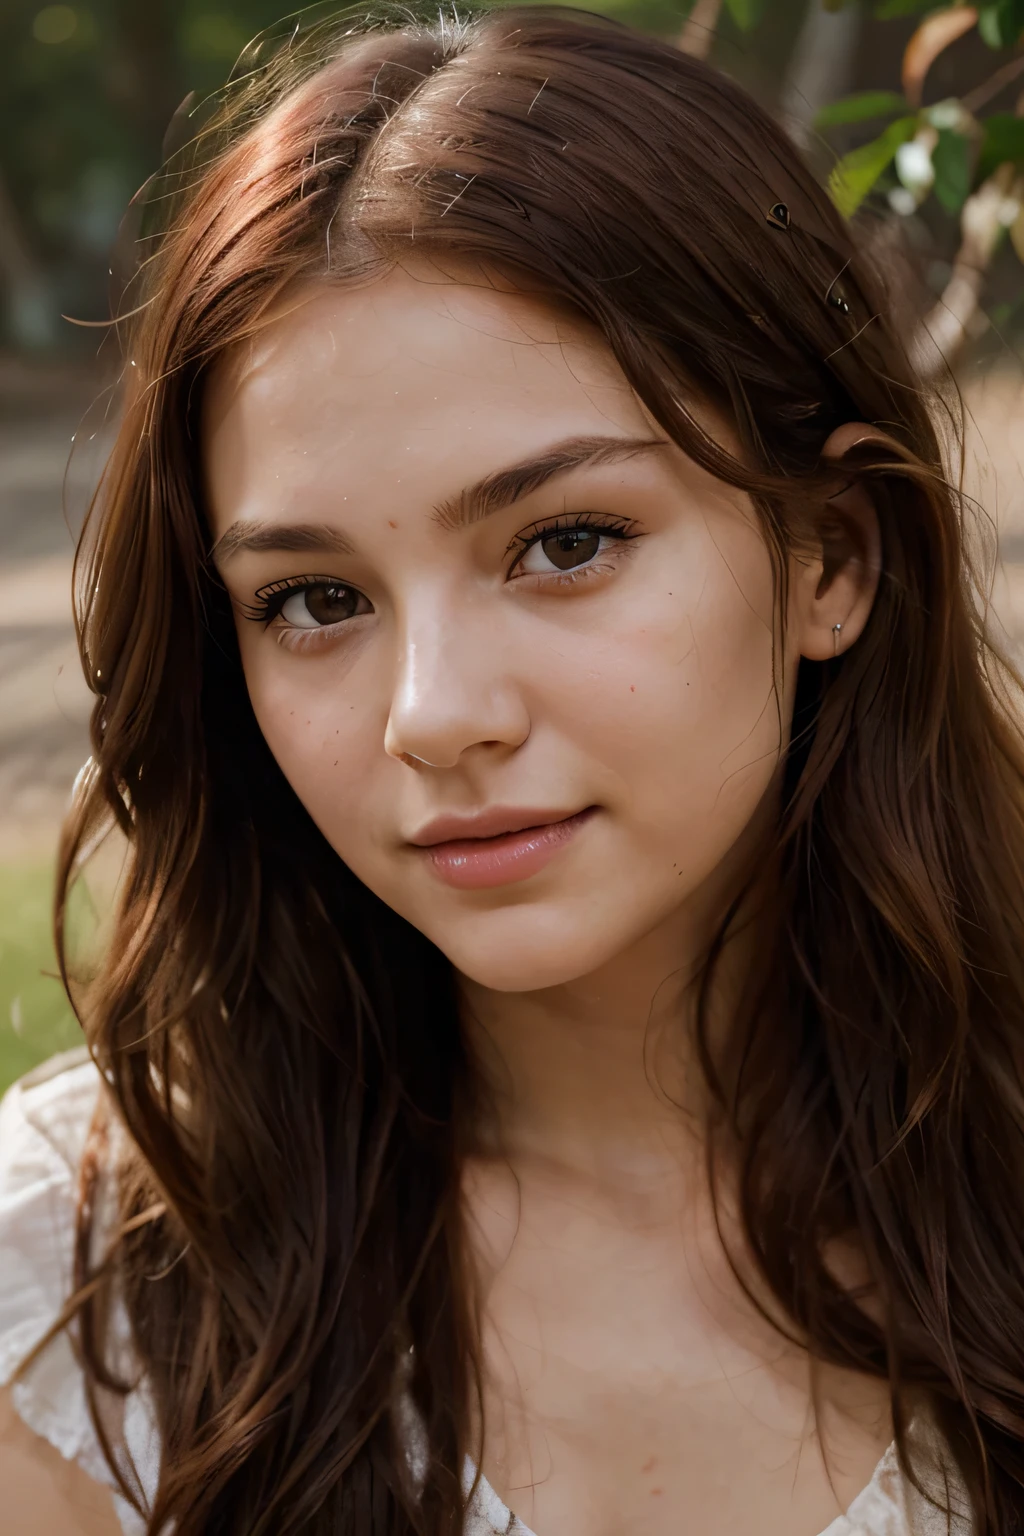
(414, 375)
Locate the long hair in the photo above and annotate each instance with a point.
(285, 1052)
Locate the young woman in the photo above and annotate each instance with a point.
(557, 1064)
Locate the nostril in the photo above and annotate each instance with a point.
(410, 758)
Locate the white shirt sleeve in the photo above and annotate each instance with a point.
(44, 1123)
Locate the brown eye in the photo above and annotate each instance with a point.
(553, 550)
(324, 603)
(571, 547)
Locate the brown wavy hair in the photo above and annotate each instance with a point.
(285, 1052)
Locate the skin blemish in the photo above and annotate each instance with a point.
(392, 524)
(650, 1464)
(656, 1492)
(632, 687)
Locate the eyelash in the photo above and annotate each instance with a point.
(600, 522)
(272, 598)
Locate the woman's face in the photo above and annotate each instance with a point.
(511, 647)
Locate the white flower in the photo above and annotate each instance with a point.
(901, 201)
(949, 114)
(1009, 209)
(914, 167)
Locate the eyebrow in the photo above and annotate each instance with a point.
(495, 492)
(501, 489)
(301, 538)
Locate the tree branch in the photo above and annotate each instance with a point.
(941, 336)
(699, 30)
(983, 94)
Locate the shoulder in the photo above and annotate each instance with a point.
(43, 1493)
(45, 1121)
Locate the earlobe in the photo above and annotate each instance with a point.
(836, 595)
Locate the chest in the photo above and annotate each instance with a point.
(631, 1390)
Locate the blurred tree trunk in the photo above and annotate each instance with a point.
(822, 67)
(146, 79)
(145, 83)
(24, 287)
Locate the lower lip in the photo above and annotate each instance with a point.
(476, 863)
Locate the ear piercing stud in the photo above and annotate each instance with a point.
(835, 638)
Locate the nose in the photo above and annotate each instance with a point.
(452, 690)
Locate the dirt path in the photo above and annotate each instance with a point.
(44, 703)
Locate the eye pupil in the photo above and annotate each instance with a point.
(328, 604)
(571, 547)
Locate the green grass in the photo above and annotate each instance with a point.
(35, 1017)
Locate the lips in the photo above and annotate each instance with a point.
(503, 846)
(490, 823)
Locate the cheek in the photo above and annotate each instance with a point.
(684, 712)
(323, 732)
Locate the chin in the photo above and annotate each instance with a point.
(525, 950)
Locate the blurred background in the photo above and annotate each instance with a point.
(912, 113)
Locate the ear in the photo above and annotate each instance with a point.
(831, 594)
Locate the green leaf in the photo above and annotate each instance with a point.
(1002, 23)
(988, 26)
(1004, 140)
(857, 109)
(1011, 21)
(856, 173)
(745, 13)
(888, 10)
(951, 158)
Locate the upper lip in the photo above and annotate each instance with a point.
(489, 823)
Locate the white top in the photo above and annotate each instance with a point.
(44, 1120)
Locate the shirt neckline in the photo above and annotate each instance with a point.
(487, 1505)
